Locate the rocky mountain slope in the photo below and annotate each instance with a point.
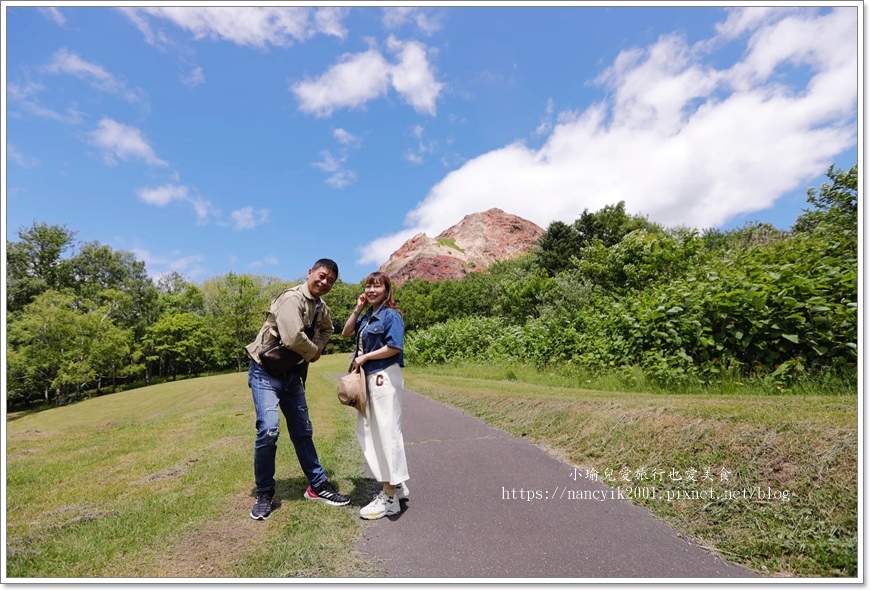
(471, 245)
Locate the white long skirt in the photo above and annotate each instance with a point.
(380, 432)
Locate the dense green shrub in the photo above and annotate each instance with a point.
(459, 339)
(641, 258)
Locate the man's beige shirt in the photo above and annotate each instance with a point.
(289, 314)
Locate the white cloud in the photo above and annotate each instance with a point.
(353, 81)
(676, 138)
(203, 209)
(339, 176)
(327, 21)
(546, 124)
(249, 218)
(743, 20)
(152, 37)
(240, 219)
(24, 97)
(426, 20)
(54, 15)
(254, 26)
(20, 159)
(329, 163)
(341, 179)
(64, 62)
(163, 195)
(194, 77)
(119, 141)
(267, 261)
(361, 77)
(413, 77)
(257, 27)
(346, 138)
(417, 154)
(158, 266)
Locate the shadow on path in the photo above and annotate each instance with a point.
(465, 517)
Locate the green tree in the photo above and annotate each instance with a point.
(414, 298)
(521, 288)
(24, 383)
(34, 263)
(476, 294)
(561, 242)
(114, 278)
(425, 303)
(178, 295)
(835, 204)
(49, 340)
(609, 225)
(521, 300)
(235, 307)
(181, 343)
(97, 267)
(36, 340)
(113, 353)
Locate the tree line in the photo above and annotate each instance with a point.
(83, 319)
(609, 291)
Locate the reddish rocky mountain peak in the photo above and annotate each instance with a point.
(471, 245)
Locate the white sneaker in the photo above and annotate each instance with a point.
(402, 492)
(382, 505)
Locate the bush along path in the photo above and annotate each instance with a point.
(485, 504)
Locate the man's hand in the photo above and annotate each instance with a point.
(316, 356)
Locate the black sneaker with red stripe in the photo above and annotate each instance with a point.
(327, 493)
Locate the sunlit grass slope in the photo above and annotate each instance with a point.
(157, 482)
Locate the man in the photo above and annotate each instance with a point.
(301, 320)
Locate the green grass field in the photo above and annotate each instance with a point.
(157, 482)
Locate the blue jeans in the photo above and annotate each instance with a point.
(288, 394)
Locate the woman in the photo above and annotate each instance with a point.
(380, 335)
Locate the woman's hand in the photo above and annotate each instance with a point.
(349, 328)
(383, 352)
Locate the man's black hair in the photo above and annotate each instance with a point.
(328, 264)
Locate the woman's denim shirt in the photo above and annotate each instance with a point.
(385, 328)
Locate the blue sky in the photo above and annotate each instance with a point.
(212, 139)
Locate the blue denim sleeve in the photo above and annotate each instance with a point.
(394, 327)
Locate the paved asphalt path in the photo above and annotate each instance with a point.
(459, 522)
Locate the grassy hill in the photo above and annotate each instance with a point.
(158, 482)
